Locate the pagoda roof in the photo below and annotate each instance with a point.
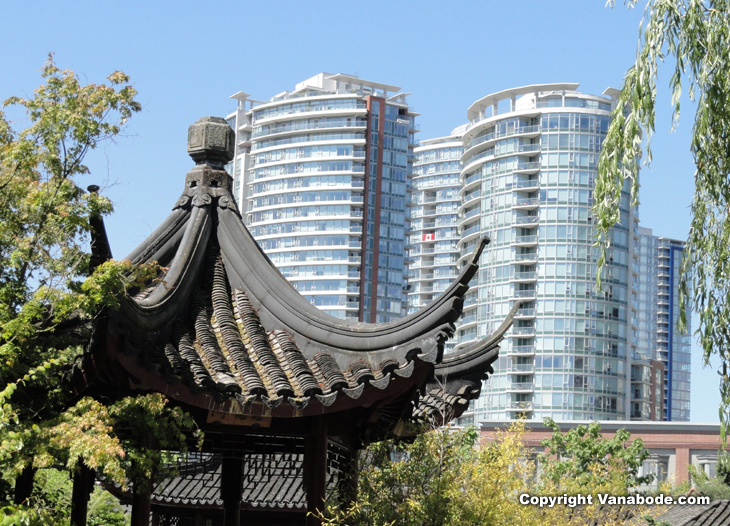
(222, 330)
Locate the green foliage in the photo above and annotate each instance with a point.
(49, 299)
(447, 476)
(583, 458)
(714, 487)
(12, 515)
(52, 497)
(694, 36)
(105, 510)
(412, 480)
(52, 493)
(441, 478)
(723, 466)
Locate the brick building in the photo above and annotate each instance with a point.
(673, 445)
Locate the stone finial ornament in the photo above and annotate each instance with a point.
(211, 141)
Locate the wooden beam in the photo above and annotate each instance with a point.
(83, 485)
(24, 485)
(315, 472)
(231, 489)
(142, 504)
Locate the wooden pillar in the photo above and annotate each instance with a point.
(142, 504)
(24, 485)
(83, 485)
(315, 472)
(231, 489)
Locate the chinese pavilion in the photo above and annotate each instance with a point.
(285, 394)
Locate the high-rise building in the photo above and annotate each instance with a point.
(658, 273)
(320, 176)
(324, 175)
(528, 170)
(433, 219)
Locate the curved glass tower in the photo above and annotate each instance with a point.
(320, 176)
(529, 165)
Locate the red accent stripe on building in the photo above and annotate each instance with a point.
(366, 196)
(378, 198)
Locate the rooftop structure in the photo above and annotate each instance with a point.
(265, 374)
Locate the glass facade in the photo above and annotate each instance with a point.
(320, 177)
(433, 219)
(674, 347)
(658, 270)
(529, 165)
(335, 190)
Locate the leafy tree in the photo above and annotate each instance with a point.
(694, 35)
(49, 297)
(582, 459)
(53, 489)
(446, 476)
(440, 478)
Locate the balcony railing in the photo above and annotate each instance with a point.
(522, 368)
(507, 133)
(523, 331)
(526, 201)
(525, 257)
(516, 405)
(523, 349)
(521, 386)
(525, 239)
(524, 276)
(530, 293)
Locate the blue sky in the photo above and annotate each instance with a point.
(187, 58)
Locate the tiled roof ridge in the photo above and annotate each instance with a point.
(222, 320)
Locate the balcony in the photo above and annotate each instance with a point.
(523, 350)
(516, 405)
(520, 130)
(525, 313)
(525, 168)
(523, 332)
(472, 181)
(524, 149)
(470, 318)
(526, 220)
(521, 387)
(524, 277)
(522, 294)
(524, 368)
(524, 241)
(526, 259)
(478, 157)
(526, 203)
(527, 185)
(476, 228)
